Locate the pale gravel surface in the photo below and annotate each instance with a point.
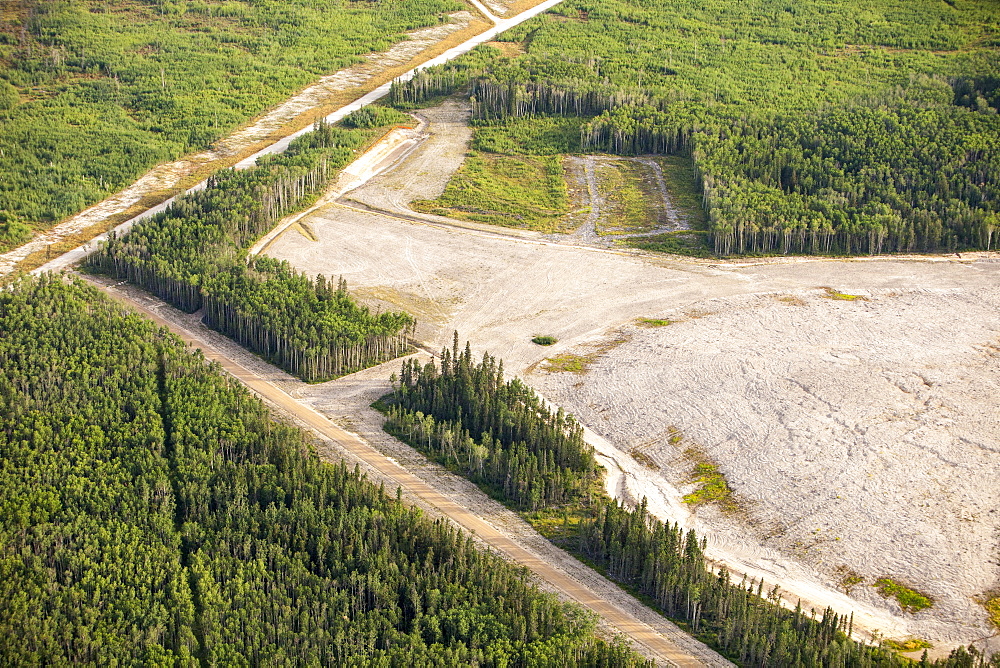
(888, 403)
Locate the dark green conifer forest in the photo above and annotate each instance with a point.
(497, 432)
(152, 513)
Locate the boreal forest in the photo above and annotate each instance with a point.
(812, 127)
(153, 513)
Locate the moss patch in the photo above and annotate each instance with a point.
(842, 296)
(712, 485)
(993, 610)
(909, 599)
(911, 645)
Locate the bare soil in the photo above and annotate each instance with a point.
(859, 434)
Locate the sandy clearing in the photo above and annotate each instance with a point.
(338, 413)
(499, 291)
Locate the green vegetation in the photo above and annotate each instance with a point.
(545, 340)
(911, 645)
(713, 487)
(376, 116)
(909, 599)
(849, 578)
(513, 191)
(152, 513)
(842, 296)
(652, 322)
(992, 606)
(93, 93)
(568, 363)
(815, 128)
(682, 242)
(193, 256)
(497, 433)
(630, 197)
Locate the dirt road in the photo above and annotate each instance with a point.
(653, 636)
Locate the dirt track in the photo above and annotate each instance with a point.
(432, 487)
(814, 408)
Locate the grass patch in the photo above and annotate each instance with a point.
(561, 525)
(909, 599)
(580, 362)
(842, 296)
(513, 191)
(713, 487)
(691, 243)
(567, 363)
(911, 645)
(652, 322)
(631, 197)
(544, 340)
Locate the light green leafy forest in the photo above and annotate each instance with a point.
(94, 92)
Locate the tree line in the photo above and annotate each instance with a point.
(192, 256)
(497, 432)
(153, 513)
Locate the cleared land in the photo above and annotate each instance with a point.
(798, 397)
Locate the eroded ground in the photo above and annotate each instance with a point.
(858, 434)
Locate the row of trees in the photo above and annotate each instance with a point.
(309, 327)
(502, 436)
(192, 256)
(152, 513)
(667, 565)
(497, 432)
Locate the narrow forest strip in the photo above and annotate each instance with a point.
(193, 256)
(502, 437)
